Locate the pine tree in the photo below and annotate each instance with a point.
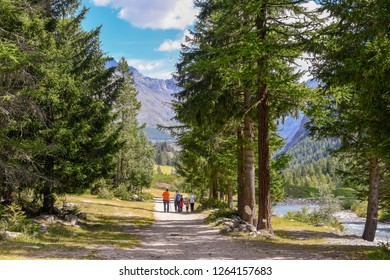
(351, 60)
(134, 160)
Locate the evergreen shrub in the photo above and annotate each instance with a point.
(213, 203)
(14, 219)
(105, 193)
(122, 192)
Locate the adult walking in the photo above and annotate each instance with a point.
(165, 196)
(192, 202)
(177, 200)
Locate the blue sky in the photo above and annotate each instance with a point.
(147, 33)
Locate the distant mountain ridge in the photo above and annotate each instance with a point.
(156, 98)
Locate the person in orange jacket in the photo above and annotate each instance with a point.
(165, 196)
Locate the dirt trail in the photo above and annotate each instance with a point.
(185, 236)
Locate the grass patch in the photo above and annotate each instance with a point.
(300, 192)
(165, 169)
(108, 223)
(381, 253)
(295, 232)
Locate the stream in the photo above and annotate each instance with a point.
(353, 224)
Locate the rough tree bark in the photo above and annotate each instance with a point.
(240, 171)
(264, 218)
(373, 201)
(249, 201)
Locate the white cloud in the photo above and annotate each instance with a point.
(160, 69)
(170, 45)
(155, 14)
(173, 45)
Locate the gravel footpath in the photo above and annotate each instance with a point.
(185, 236)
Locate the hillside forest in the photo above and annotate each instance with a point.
(68, 121)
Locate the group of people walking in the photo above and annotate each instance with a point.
(178, 201)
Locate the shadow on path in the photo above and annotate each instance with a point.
(185, 236)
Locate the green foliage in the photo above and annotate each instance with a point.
(360, 208)
(382, 253)
(329, 205)
(59, 94)
(166, 154)
(146, 196)
(311, 164)
(14, 219)
(384, 215)
(134, 161)
(300, 191)
(352, 63)
(315, 217)
(105, 193)
(213, 203)
(122, 192)
(167, 179)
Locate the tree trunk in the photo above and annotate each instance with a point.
(240, 172)
(264, 218)
(230, 194)
(373, 201)
(249, 201)
(48, 199)
(213, 191)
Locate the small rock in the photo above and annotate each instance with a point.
(57, 210)
(33, 247)
(48, 218)
(70, 205)
(135, 197)
(253, 234)
(242, 227)
(66, 223)
(43, 227)
(228, 229)
(319, 224)
(82, 215)
(236, 223)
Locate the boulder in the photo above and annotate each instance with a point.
(10, 234)
(135, 197)
(70, 206)
(72, 219)
(251, 228)
(229, 224)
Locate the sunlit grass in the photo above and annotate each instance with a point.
(108, 223)
(165, 169)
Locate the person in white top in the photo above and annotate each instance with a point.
(192, 202)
